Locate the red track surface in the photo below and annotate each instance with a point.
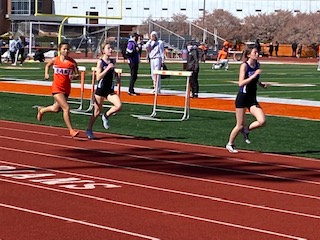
(117, 187)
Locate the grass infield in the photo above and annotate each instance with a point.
(281, 135)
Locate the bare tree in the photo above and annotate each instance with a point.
(283, 26)
(179, 24)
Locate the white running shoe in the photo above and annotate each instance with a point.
(231, 148)
(90, 134)
(105, 121)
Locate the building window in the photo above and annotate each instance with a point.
(75, 7)
(110, 8)
(164, 9)
(128, 8)
(147, 9)
(239, 10)
(258, 10)
(20, 7)
(183, 9)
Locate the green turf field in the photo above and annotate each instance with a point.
(281, 135)
(286, 81)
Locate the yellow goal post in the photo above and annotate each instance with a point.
(108, 4)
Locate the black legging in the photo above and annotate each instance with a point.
(134, 67)
(13, 57)
(21, 54)
(194, 83)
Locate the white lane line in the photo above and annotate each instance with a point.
(78, 221)
(168, 161)
(159, 211)
(202, 155)
(189, 194)
(173, 175)
(146, 147)
(138, 146)
(161, 173)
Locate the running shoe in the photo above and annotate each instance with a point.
(74, 133)
(105, 121)
(231, 148)
(90, 134)
(39, 114)
(133, 94)
(245, 132)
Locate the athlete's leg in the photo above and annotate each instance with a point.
(61, 100)
(258, 113)
(241, 119)
(117, 105)
(98, 102)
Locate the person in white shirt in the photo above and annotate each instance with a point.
(155, 50)
(12, 49)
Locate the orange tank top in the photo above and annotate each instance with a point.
(61, 77)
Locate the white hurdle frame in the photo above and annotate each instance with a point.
(186, 110)
(88, 111)
(82, 71)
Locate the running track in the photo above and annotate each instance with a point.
(118, 187)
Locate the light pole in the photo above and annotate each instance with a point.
(203, 21)
(106, 28)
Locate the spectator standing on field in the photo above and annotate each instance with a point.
(155, 49)
(294, 48)
(299, 50)
(318, 58)
(1, 43)
(20, 44)
(258, 46)
(270, 49)
(12, 49)
(133, 57)
(276, 48)
(193, 65)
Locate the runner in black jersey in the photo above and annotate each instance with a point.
(105, 90)
(247, 98)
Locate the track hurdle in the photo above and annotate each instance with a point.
(82, 71)
(88, 111)
(186, 110)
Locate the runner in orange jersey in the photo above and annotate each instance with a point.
(65, 70)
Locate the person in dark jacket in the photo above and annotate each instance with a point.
(132, 52)
(270, 49)
(193, 65)
(276, 48)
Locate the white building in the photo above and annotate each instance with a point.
(136, 11)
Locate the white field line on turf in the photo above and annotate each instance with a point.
(170, 174)
(157, 210)
(302, 102)
(138, 146)
(171, 162)
(188, 194)
(76, 221)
